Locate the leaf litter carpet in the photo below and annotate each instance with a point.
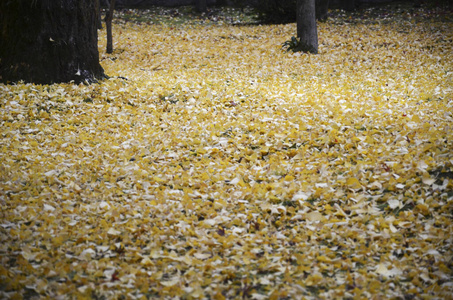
(227, 168)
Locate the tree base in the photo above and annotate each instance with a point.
(47, 42)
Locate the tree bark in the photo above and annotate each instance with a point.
(99, 15)
(306, 26)
(201, 6)
(108, 25)
(322, 9)
(49, 41)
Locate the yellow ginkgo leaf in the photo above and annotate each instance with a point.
(353, 183)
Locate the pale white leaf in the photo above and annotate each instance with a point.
(113, 231)
(48, 207)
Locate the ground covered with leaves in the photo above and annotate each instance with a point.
(225, 167)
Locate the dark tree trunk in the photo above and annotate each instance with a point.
(108, 25)
(100, 4)
(322, 8)
(201, 6)
(99, 15)
(306, 26)
(49, 41)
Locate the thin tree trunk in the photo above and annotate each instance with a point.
(108, 25)
(306, 26)
(46, 42)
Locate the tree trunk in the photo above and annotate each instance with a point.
(108, 25)
(49, 41)
(201, 6)
(322, 9)
(306, 26)
(99, 15)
